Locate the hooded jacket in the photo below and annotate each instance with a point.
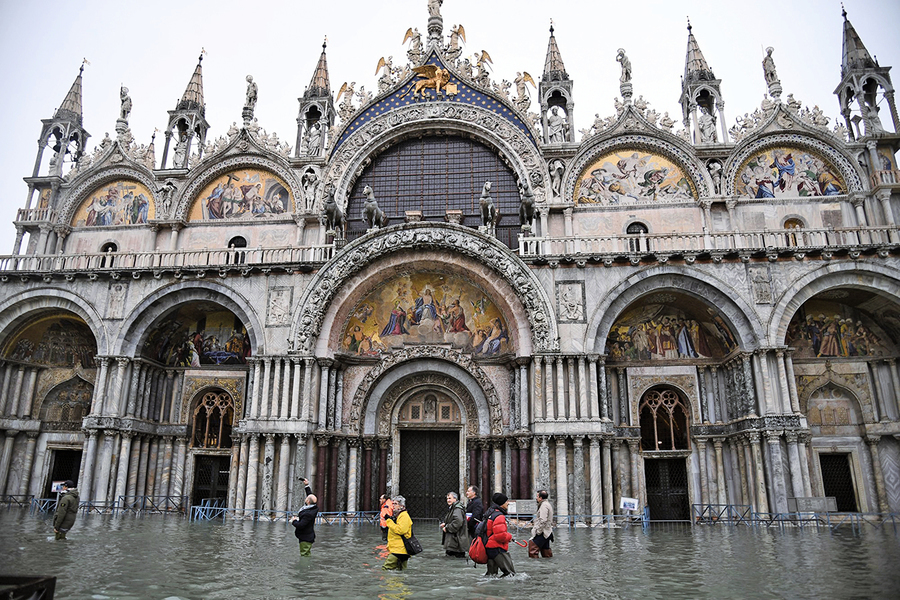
(66, 510)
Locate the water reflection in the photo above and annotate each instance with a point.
(167, 557)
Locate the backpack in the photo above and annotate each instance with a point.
(478, 548)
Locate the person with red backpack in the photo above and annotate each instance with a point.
(498, 537)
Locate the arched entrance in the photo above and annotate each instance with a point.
(430, 428)
(664, 421)
(212, 420)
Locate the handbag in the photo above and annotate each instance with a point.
(412, 543)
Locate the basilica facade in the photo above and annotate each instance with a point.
(445, 284)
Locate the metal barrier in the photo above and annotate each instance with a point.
(18, 500)
(739, 514)
(152, 504)
(728, 514)
(43, 504)
(214, 512)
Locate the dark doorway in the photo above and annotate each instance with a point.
(837, 479)
(64, 464)
(667, 493)
(429, 468)
(211, 478)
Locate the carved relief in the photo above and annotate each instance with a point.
(278, 313)
(570, 301)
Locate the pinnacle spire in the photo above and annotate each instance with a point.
(192, 99)
(319, 84)
(71, 106)
(554, 69)
(855, 55)
(695, 66)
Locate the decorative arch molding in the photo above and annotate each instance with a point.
(685, 385)
(387, 129)
(873, 277)
(391, 378)
(185, 197)
(714, 292)
(388, 411)
(18, 308)
(68, 381)
(137, 324)
(677, 152)
(443, 237)
(807, 140)
(79, 192)
(856, 385)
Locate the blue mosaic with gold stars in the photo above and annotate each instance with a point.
(465, 94)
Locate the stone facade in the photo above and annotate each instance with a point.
(709, 315)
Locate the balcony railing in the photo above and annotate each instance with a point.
(886, 178)
(161, 260)
(36, 214)
(786, 240)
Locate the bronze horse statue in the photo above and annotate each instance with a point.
(372, 215)
(334, 216)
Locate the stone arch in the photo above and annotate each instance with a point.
(851, 173)
(391, 127)
(18, 308)
(482, 404)
(740, 316)
(137, 324)
(41, 405)
(685, 385)
(678, 151)
(485, 253)
(875, 278)
(78, 193)
(208, 171)
(845, 382)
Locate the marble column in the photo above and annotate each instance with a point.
(117, 399)
(623, 397)
(300, 454)
(325, 367)
(582, 389)
(168, 459)
(878, 473)
(29, 393)
(131, 402)
(265, 399)
(523, 394)
(539, 408)
(783, 381)
(307, 388)
(604, 393)
(595, 464)
(498, 466)
(6, 457)
(252, 473)
(140, 488)
(240, 494)
(4, 388)
(750, 394)
(284, 461)
(548, 380)
(794, 460)
(704, 481)
(524, 475)
(352, 474)
(739, 488)
(253, 404)
(561, 388)
(593, 405)
(100, 385)
(134, 464)
(804, 464)
(762, 497)
(88, 460)
(277, 405)
(634, 447)
(16, 400)
(562, 483)
(792, 382)
(30, 442)
(102, 493)
(543, 476)
(177, 482)
(746, 486)
(778, 498)
(268, 471)
(295, 387)
(124, 466)
(152, 464)
(714, 392)
(722, 496)
(234, 472)
(578, 477)
(702, 391)
(608, 505)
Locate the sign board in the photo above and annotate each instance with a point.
(628, 503)
(522, 507)
(57, 487)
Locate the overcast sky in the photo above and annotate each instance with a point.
(152, 48)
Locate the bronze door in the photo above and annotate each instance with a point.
(211, 479)
(667, 493)
(429, 468)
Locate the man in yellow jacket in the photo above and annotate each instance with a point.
(399, 526)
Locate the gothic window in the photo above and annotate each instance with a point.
(636, 244)
(664, 421)
(213, 418)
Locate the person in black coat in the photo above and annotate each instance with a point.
(305, 522)
(474, 509)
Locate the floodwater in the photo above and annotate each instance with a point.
(165, 557)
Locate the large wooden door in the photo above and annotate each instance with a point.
(429, 468)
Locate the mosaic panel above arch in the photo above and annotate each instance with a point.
(242, 194)
(56, 340)
(788, 171)
(196, 334)
(632, 176)
(118, 202)
(426, 308)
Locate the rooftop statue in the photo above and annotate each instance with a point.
(434, 8)
(125, 109)
(622, 58)
(768, 65)
(252, 90)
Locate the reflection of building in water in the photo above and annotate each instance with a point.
(680, 325)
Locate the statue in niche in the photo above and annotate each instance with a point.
(557, 167)
(252, 93)
(180, 154)
(715, 172)
(557, 126)
(313, 139)
(768, 65)
(622, 59)
(125, 108)
(310, 182)
(707, 126)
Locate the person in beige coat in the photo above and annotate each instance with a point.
(542, 528)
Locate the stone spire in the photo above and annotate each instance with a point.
(319, 85)
(855, 55)
(695, 66)
(701, 97)
(70, 109)
(554, 69)
(192, 99)
(316, 118)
